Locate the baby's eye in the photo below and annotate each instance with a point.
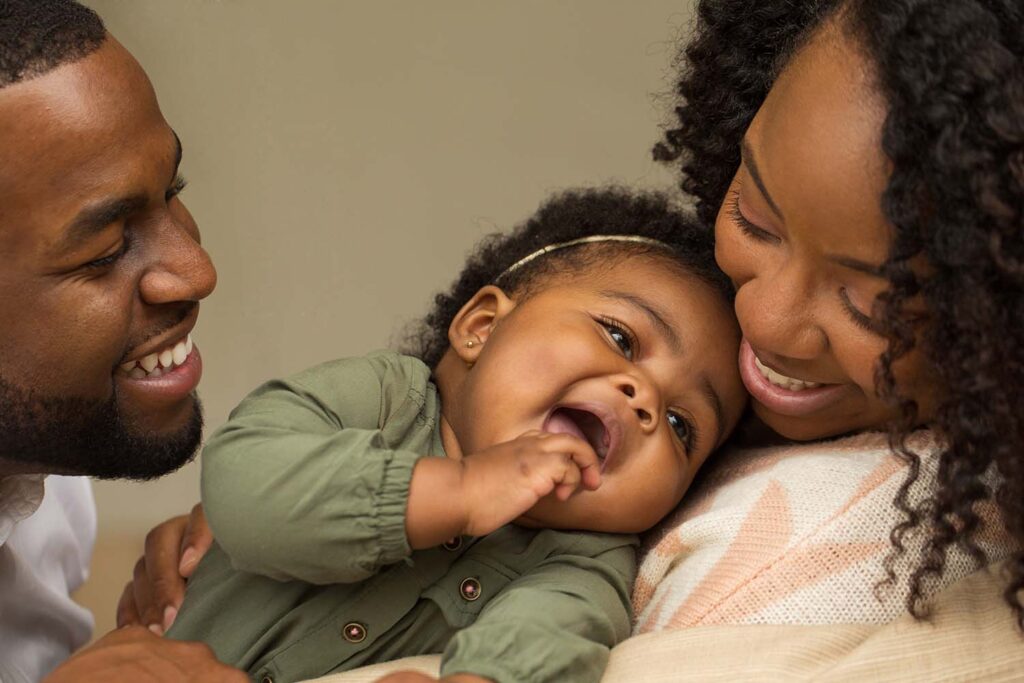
(683, 429)
(621, 337)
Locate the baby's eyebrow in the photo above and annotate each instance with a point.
(708, 389)
(656, 317)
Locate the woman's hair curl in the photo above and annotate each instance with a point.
(952, 72)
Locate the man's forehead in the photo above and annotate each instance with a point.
(66, 134)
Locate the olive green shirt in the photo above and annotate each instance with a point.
(305, 488)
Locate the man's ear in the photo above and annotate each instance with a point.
(475, 321)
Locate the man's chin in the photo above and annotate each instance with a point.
(144, 455)
(95, 438)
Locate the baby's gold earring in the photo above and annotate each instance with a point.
(470, 343)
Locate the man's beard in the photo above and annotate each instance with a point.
(81, 436)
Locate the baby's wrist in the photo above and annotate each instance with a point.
(435, 512)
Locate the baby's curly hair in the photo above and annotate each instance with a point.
(953, 76)
(567, 216)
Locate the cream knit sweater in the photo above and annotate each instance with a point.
(792, 534)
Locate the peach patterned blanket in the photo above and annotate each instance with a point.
(793, 534)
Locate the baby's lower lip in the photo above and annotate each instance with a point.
(784, 401)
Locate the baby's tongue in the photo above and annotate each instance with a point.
(561, 423)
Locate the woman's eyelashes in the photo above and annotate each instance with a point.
(621, 336)
(748, 227)
(859, 318)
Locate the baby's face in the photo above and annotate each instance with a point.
(637, 358)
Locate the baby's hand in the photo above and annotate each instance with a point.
(502, 482)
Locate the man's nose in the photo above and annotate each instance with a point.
(779, 314)
(179, 269)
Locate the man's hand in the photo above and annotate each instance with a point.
(134, 655)
(173, 549)
(489, 489)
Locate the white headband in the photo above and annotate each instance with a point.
(637, 239)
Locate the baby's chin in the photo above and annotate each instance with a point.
(551, 513)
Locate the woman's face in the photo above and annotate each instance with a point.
(802, 235)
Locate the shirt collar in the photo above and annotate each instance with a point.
(20, 496)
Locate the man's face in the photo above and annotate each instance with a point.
(102, 268)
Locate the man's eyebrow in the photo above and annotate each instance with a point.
(708, 390)
(94, 219)
(747, 154)
(859, 266)
(656, 317)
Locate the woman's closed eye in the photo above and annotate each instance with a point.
(862, 320)
(621, 336)
(746, 225)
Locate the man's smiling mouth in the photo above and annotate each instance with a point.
(159, 362)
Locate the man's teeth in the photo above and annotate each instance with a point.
(156, 364)
(778, 380)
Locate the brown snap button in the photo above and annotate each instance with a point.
(470, 589)
(267, 678)
(354, 632)
(453, 543)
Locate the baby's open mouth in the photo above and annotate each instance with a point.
(582, 423)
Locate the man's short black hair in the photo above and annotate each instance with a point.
(39, 35)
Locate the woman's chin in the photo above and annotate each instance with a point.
(811, 428)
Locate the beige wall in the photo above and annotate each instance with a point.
(343, 156)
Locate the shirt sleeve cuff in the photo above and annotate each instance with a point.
(390, 504)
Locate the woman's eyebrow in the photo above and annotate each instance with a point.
(747, 155)
(857, 265)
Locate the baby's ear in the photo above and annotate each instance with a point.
(475, 321)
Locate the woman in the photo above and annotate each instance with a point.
(862, 165)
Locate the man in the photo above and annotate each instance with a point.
(101, 272)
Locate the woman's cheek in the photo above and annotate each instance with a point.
(731, 254)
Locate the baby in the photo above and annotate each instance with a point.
(479, 498)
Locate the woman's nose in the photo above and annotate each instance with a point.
(180, 269)
(778, 313)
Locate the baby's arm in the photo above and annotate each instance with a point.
(555, 623)
(300, 484)
(484, 491)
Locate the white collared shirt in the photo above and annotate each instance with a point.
(45, 546)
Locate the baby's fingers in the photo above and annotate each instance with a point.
(589, 465)
(569, 479)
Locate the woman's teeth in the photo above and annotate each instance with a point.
(778, 380)
(156, 364)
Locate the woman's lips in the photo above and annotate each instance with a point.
(784, 401)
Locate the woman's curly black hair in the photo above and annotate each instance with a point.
(953, 76)
(568, 216)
